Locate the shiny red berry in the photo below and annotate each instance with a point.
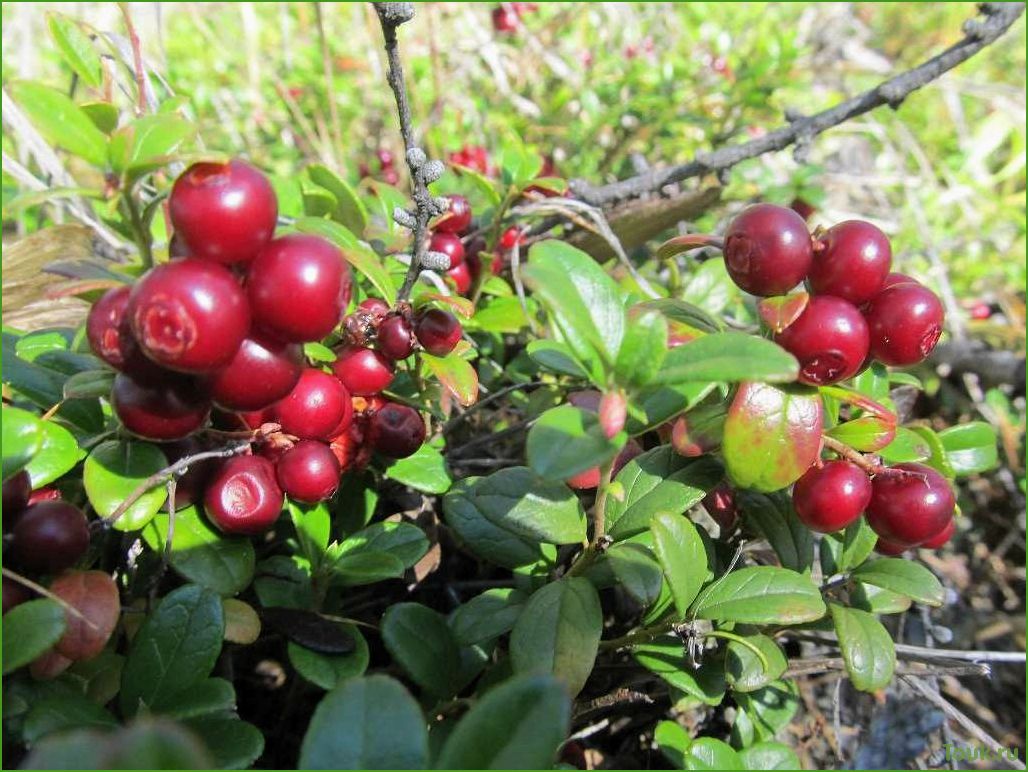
(50, 536)
(511, 237)
(941, 537)
(316, 408)
(396, 431)
(363, 371)
(830, 498)
(460, 278)
(829, 339)
(262, 372)
(457, 218)
(167, 411)
(223, 212)
(910, 503)
(189, 315)
(395, 337)
(299, 286)
(244, 497)
(104, 325)
(767, 250)
(905, 322)
(449, 245)
(851, 262)
(437, 331)
(17, 488)
(308, 472)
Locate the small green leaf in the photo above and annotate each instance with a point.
(556, 357)
(711, 753)
(744, 670)
(63, 713)
(567, 440)
(675, 310)
(404, 541)
(147, 143)
(313, 525)
(867, 434)
(104, 115)
(30, 629)
(654, 405)
(770, 709)
(844, 552)
(233, 744)
(350, 210)
(769, 755)
(682, 556)
(91, 384)
(938, 459)
(903, 576)
(114, 470)
(424, 471)
(631, 566)
(773, 517)
(970, 448)
(365, 567)
(204, 697)
(58, 455)
(22, 439)
(330, 670)
(643, 347)
(667, 659)
(866, 646)
(76, 48)
(456, 374)
(420, 642)
(906, 447)
(761, 595)
(61, 121)
(486, 616)
(877, 600)
(673, 741)
(710, 287)
(728, 356)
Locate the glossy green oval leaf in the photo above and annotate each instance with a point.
(653, 405)
(233, 744)
(567, 440)
(420, 642)
(938, 459)
(357, 253)
(329, 670)
(907, 446)
(770, 709)
(728, 357)
(30, 629)
(486, 616)
(710, 287)
(104, 115)
(61, 121)
(866, 646)
(761, 595)
(22, 439)
(556, 357)
(711, 753)
(877, 600)
(906, 577)
(365, 567)
(773, 517)
(423, 471)
(59, 454)
(113, 470)
(667, 659)
(633, 567)
(147, 143)
(76, 48)
(404, 541)
(745, 671)
(63, 713)
(207, 696)
(673, 741)
(682, 557)
(842, 552)
(91, 384)
(643, 347)
(867, 434)
(970, 448)
(675, 310)
(769, 755)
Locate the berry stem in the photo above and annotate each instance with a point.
(844, 450)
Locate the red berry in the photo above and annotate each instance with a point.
(449, 245)
(14, 594)
(104, 325)
(193, 483)
(884, 547)
(316, 408)
(511, 237)
(262, 372)
(941, 537)
(16, 489)
(910, 503)
(244, 497)
(905, 322)
(50, 536)
(473, 256)
(980, 311)
(396, 431)
(168, 411)
(374, 306)
(505, 19)
(830, 498)
(385, 158)
(299, 286)
(223, 212)
(363, 371)
(460, 278)
(308, 472)
(457, 218)
(189, 315)
(349, 449)
(829, 339)
(898, 278)
(395, 337)
(590, 478)
(255, 419)
(721, 506)
(437, 331)
(851, 262)
(767, 250)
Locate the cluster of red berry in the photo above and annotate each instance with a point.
(507, 16)
(224, 327)
(447, 231)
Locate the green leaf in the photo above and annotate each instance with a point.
(29, 630)
(711, 753)
(145, 744)
(63, 713)
(76, 48)
(317, 202)
(104, 115)
(486, 616)
(350, 210)
(658, 481)
(114, 470)
(582, 300)
(517, 725)
(567, 440)
(208, 696)
(772, 435)
(424, 471)
(710, 287)
(666, 658)
(556, 357)
(728, 356)
(868, 433)
(559, 632)
(938, 459)
(58, 455)
(420, 642)
(633, 567)
(366, 723)
(503, 315)
(761, 595)
(643, 347)
(903, 576)
(147, 143)
(61, 121)
(313, 525)
(769, 755)
(404, 541)
(844, 552)
(456, 374)
(773, 517)
(744, 670)
(357, 253)
(675, 310)
(175, 648)
(770, 709)
(682, 556)
(201, 554)
(866, 646)
(233, 744)
(877, 600)
(365, 567)
(22, 439)
(908, 446)
(673, 741)
(654, 405)
(91, 384)
(328, 670)
(970, 448)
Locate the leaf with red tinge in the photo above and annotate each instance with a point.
(778, 313)
(456, 374)
(868, 433)
(680, 244)
(461, 305)
(772, 435)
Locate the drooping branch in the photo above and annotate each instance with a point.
(994, 20)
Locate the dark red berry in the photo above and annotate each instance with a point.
(50, 536)
(317, 407)
(104, 325)
(883, 547)
(244, 496)
(223, 212)
(473, 256)
(299, 286)
(830, 498)
(941, 537)
(396, 431)
(168, 411)
(767, 250)
(460, 278)
(829, 339)
(191, 485)
(457, 218)
(189, 315)
(262, 372)
(14, 594)
(721, 506)
(437, 331)
(17, 488)
(910, 503)
(363, 371)
(505, 19)
(395, 337)
(905, 322)
(851, 262)
(449, 245)
(898, 278)
(308, 472)
(374, 306)
(590, 478)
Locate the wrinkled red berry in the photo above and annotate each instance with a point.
(168, 411)
(50, 536)
(189, 315)
(905, 322)
(851, 262)
(396, 431)
(395, 337)
(308, 472)
(457, 218)
(767, 250)
(830, 498)
(449, 245)
(262, 372)
(104, 325)
(437, 331)
(244, 497)
(829, 339)
(374, 306)
(363, 371)
(316, 408)
(299, 286)
(910, 503)
(17, 488)
(223, 212)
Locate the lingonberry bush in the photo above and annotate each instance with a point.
(450, 476)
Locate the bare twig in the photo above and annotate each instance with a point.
(996, 19)
(137, 58)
